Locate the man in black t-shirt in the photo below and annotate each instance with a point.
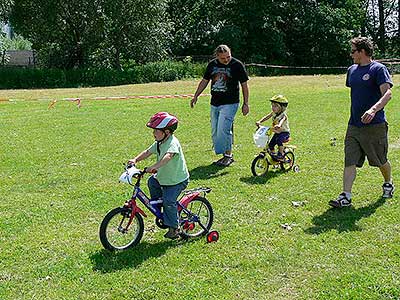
(225, 73)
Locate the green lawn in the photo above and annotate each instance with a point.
(59, 171)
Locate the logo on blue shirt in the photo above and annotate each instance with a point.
(366, 77)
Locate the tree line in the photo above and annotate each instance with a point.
(119, 34)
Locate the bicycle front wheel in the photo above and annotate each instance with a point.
(196, 219)
(115, 231)
(259, 166)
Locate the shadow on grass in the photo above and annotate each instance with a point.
(261, 179)
(207, 172)
(343, 219)
(106, 261)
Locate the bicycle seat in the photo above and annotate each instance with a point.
(287, 144)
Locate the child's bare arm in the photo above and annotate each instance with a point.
(163, 161)
(143, 155)
(281, 121)
(278, 127)
(263, 119)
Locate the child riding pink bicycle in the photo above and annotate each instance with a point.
(191, 216)
(171, 175)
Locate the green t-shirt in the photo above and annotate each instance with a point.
(175, 171)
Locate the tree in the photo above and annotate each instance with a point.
(381, 28)
(5, 8)
(75, 33)
(135, 31)
(195, 25)
(307, 32)
(63, 32)
(317, 33)
(253, 30)
(382, 25)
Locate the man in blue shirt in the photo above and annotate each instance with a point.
(367, 132)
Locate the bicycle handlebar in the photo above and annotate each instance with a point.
(142, 172)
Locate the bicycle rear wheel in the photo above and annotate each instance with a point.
(196, 219)
(115, 231)
(287, 161)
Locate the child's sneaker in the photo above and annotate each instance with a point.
(274, 155)
(340, 201)
(172, 233)
(280, 156)
(388, 190)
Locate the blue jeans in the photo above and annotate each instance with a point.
(221, 126)
(169, 194)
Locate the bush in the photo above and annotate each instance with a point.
(16, 78)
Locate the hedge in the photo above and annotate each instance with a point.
(29, 78)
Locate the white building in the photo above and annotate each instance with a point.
(7, 29)
(22, 58)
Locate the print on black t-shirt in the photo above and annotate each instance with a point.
(220, 77)
(225, 81)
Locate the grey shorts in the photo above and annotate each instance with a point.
(370, 141)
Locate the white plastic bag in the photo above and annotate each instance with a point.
(261, 136)
(126, 177)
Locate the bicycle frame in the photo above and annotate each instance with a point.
(271, 160)
(154, 205)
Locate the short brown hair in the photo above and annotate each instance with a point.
(221, 49)
(363, 43)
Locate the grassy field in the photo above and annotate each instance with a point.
(59, 171)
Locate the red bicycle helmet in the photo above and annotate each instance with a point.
(163, 121)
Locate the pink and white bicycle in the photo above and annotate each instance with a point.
(122, 228)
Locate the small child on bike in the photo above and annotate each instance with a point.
(170, 176)
(280, 125)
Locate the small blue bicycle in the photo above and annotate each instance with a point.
(123, 227)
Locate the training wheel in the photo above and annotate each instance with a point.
(212, 236)
(296, 168)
